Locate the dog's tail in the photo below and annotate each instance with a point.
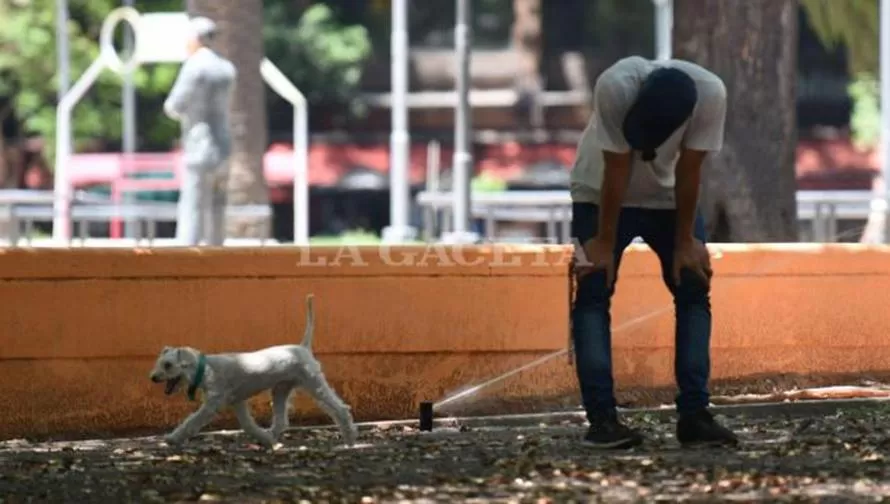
(310, 323)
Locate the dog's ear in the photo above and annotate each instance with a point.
(181, 360)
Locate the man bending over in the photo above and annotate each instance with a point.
(637, 173)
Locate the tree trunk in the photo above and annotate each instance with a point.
(527, 39)
(749, 190)
(240, 40)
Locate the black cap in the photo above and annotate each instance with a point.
(665, 101)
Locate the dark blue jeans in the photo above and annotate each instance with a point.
(591, 319)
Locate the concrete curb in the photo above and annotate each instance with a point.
(822, 407)
(451, 425)
(751, 410)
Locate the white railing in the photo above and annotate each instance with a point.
(22, 208)
(161, 37)
(822, 209)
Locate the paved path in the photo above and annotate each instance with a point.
(841, 455)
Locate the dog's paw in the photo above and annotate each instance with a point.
(173, 440)
(265, 439)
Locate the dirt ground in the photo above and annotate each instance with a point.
(838, 457)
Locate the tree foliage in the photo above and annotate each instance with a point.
(29, 75)
(322, 55)
(855, 24)
(865, 118)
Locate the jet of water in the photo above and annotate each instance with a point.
(470, 392)
(541, 360)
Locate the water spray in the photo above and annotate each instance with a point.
(716, 254)
(541, 360)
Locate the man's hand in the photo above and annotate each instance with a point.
(692, 255)
(600, 255)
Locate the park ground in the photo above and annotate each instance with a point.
(837, 455)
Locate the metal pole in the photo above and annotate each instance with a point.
(61, 184)
(63, 136)
(664, 25)
(430, 213)
(129, 93)
(301, 176)
(463, 158)
(129, 112)
(279, 83)
(885, 111)
(399, 229)
(63, 58)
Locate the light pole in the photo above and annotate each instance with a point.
(129, 105)
(462, 167)
(63, 58)
(399, 230)
(63, 62)
(664, 25)
(885, 112)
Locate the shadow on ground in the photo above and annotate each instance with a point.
(784, 457)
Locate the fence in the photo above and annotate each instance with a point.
(821, 209)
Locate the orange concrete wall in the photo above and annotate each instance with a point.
(80, 328)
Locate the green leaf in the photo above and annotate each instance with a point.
(322, 56)
(853, 24)
(30, 75)
(865, 118)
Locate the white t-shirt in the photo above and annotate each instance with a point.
(651, 183)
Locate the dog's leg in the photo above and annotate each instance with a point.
(242, 411)
(195, 422)
(330, 403)
(281, 395)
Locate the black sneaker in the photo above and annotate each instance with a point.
(700, 429)
(610, 434)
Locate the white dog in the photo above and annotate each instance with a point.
(230, 379)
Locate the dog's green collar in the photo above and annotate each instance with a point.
(199, 376)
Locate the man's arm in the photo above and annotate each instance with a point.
(611, 102)
(183, 89)
(704, 135)
(686, 189)
(616, 175)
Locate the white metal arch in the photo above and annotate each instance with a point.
(167, 31)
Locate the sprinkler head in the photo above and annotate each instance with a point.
(426, 416)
